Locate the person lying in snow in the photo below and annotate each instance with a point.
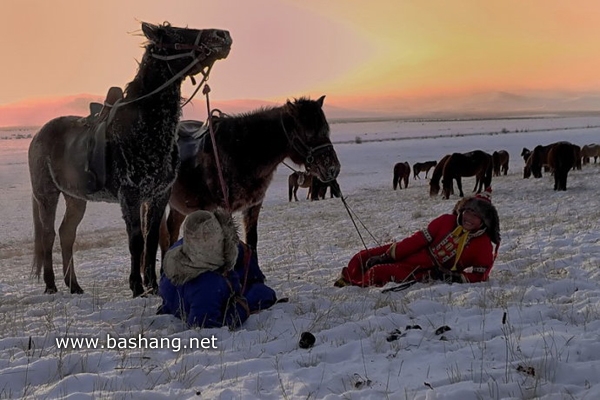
(210, 278)
(455, 247)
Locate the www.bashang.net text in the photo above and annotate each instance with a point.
(137, 342)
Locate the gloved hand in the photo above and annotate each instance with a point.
(448, 276)
(375, 260)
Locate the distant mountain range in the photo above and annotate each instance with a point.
(493, 104)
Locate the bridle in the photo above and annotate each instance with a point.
(302, 148)
(195, 60)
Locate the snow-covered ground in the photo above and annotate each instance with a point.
(530, 332)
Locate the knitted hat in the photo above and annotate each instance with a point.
(482, 205)
(210, 242)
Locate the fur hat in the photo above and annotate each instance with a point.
(210, 243)
(482, 205)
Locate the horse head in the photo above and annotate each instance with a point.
(188, 51)
(434, 188)
(307, 131)
(446, 188)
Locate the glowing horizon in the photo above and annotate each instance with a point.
(349, 50)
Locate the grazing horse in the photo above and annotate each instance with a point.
(475, 163)
(127, 156)
(401, 173)
(436, 175)
(250, 147)
(420, 167)
(589, 151)
(500, 160)
(562, 156)
(537, 159)
(297, 180)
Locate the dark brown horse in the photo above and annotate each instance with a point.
(562, 156)
(127, 156)
(250, 147)
(401, 173)
(436, 176)
(475, 163)
(297, 180)
(420, 167)
(525, 153)
(536, 160)
(500, 159)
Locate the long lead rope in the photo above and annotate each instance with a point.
(206, 91)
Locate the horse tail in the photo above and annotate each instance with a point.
(38, 259)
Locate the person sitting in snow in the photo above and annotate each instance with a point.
(455, 247)
(210, 278)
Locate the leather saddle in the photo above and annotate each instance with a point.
(92, 144)
(190, 139)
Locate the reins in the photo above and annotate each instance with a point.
(206, 91)
(177, 46)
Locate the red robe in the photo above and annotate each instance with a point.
(419, 255)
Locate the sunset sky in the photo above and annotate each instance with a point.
(358, 53)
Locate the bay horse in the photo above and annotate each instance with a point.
(420, 167)
(436, 176)
(250, 147)
(299, 179)
(401, 173)
(589, 151)
(475, 163)
(500, 159)
(127, 156)
(562, 156)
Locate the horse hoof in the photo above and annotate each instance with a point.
(50, 290)
(138, 290)
(76, 290)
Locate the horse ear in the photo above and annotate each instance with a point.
(151, 31)
(321, 100)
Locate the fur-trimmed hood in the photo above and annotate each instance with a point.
(486, 211)
(210, 243)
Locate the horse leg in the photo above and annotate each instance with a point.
(169, 232)
(44, 213)
(395, 182)
(174, 222)
(250, 218)
(163, 238)
(131, 210)
(459, 185)
(154, 216)
(478, 183)
(75, 210)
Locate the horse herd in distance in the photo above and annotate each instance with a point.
(558, 158)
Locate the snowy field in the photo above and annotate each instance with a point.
(530, 332)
